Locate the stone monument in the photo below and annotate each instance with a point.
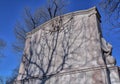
(68, 49)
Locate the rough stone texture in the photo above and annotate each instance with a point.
(68, 49)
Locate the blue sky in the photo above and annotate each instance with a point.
(12, 10)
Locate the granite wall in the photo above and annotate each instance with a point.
(68, 49)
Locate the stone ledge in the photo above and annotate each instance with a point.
(73, 71)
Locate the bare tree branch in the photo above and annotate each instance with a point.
(2, 46)
(112, 10)
(32, 20)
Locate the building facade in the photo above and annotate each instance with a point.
(68, 49)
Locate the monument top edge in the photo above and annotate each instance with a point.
(79, 12)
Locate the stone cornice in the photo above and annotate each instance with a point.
(89, 11)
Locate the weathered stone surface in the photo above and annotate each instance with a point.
(68, 49)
